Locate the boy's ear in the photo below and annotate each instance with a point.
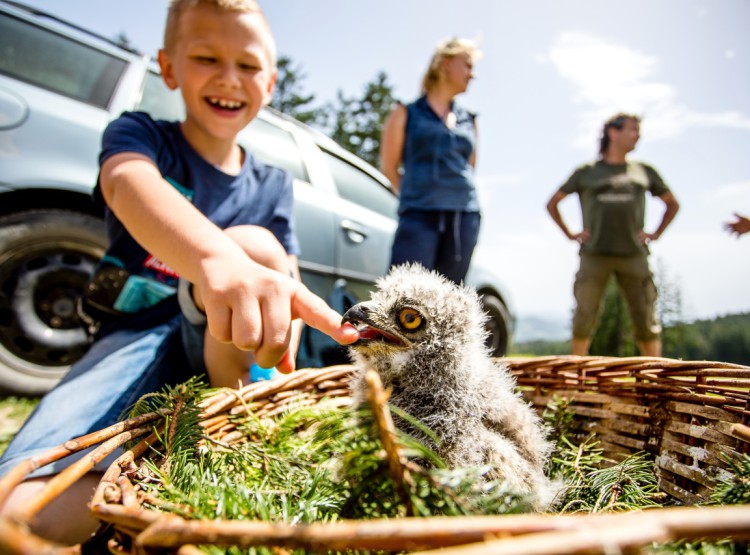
(270, 87)
(167, 74)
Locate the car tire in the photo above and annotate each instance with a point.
(46, 258)
(497, 325)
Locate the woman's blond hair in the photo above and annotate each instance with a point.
(179, 7)
(447, 49)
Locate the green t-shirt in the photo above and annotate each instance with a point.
(613, 204)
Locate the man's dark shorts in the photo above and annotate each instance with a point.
(636, 283)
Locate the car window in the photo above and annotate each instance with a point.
(274, 146)
(159, 101)
(46, 59)
(357, 186)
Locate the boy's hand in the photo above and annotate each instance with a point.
(253, 308)
(248, 304)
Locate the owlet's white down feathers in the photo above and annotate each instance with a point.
(425, 337)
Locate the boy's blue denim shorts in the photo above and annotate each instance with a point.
(100, 388)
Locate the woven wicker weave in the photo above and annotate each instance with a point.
(686, 413)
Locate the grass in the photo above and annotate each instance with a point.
(13, 413)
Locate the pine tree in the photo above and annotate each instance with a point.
(357, 123)
(676, 333)
(339, 121)
(289, 96)
(121, 39)
(614, 332)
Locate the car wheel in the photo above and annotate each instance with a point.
(496, 325)
(46, 258)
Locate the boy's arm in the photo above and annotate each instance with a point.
(246, 304)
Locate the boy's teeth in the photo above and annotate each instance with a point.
(232, 104)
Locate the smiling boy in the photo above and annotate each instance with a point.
(188, 210)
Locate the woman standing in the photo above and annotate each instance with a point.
(428, 151)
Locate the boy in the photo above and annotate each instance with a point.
(183, 199)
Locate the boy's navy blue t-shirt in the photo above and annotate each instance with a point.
(259, 195)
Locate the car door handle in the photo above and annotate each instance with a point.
(356, 233)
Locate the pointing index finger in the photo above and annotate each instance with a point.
(316, 313)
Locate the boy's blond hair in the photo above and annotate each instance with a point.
(179, 7)
(447, 49)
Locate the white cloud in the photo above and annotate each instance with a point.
(609, 77)
(737, 191)
(599, 68)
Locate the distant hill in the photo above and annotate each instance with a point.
(541, 328)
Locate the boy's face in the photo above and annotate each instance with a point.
(220, 61)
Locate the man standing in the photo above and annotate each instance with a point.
(612, 191)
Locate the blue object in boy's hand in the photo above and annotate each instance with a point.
(258, 374)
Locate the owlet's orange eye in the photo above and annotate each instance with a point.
(409, 319)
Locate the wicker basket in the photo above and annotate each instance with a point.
(688, 414)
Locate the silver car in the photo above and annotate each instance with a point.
(59, 87)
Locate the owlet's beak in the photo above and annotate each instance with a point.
(360, 317)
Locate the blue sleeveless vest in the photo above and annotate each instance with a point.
(437, 175)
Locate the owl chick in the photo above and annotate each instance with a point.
(425, 337)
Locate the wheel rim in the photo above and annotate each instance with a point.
(39, 290)
(494, 336)
(497, 332)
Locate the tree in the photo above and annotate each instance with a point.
(614, 336)
(677, 335)
(289, 97)
(339, 121)
(614, 332)
(121, 39)
(725, 339)
(669, 304)
(357, 123)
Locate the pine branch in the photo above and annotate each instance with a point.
(735, 489)
(319, 464)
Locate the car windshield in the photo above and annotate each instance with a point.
(57, 63)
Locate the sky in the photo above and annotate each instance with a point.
(551, 72)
